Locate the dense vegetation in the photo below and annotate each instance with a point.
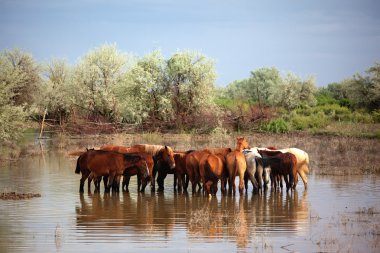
(178, 93)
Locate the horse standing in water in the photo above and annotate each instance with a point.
(211, 169)
(192, 164)
(179, 171)
(110, 164)
(281, 164)
(302, 163)
(157, 152)
(236, 165)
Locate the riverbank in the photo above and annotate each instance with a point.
(329, 155)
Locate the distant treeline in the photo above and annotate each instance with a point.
(178, 93)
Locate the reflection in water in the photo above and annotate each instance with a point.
(158, 216)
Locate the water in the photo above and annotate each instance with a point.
(331, 215)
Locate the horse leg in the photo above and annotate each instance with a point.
(246, 181)
(82, 180)
(303, 177)
(180, 179)
(118, 183)
(186, 180)
(222, 185)
(175, 182)
(231, 183)
(97, 181)
(152, 179)
(125, 183)
(207, 187)
(241, 183)
(110, 182)
(253, 181)
(286, 182)
(160, 180)
(89, 180)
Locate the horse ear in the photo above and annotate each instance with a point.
(166, 147)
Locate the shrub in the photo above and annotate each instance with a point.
(376, 115)
(301, 122)
(276, 126)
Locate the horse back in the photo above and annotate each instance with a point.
(215, 151)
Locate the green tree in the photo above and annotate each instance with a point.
(57, 91)
(262, 84)
(191, 78)
(143, 94)
(293, 92)
(19, 80)
(96, 77)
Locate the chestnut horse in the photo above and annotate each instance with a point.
(112, 164)
(211, 169)
(192, 164)
(236, 165)
(158, 152)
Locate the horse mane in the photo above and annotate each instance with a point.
(153, 149)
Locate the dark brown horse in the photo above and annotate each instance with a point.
(211, 169)
(179, 171)
(112, 164)
(282, 165)
(158, 153)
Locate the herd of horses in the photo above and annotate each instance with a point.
(202, 168)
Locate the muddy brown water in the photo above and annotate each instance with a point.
(336, 213)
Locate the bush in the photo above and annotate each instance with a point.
(276, 126)
(301, 122)
(376, 115)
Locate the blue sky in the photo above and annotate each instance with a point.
(329, 39)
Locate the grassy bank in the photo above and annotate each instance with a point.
(329, 155)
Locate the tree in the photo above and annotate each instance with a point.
(19, 79)
(143, 93)
(191, 78)
(57, 91)
(262, 83)
(96, 77)
(364, 91)
(307, 92)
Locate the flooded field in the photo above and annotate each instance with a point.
(336, 213)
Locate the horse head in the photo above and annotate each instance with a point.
(166, 154)
(241, 143)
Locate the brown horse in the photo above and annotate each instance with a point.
(282, 165)
(112, 164)
(179, 171)
(127, 176)
(236, 165)
(211, 169)
(158, 153)
(192, 164)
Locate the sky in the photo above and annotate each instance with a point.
(328, 39)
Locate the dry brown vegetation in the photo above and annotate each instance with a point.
(18, 196)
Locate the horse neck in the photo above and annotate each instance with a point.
(239, 148)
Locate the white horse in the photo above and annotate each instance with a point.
(255, 165)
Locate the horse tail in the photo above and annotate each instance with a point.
(208, 169)
(307, 167)
(77, 169)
